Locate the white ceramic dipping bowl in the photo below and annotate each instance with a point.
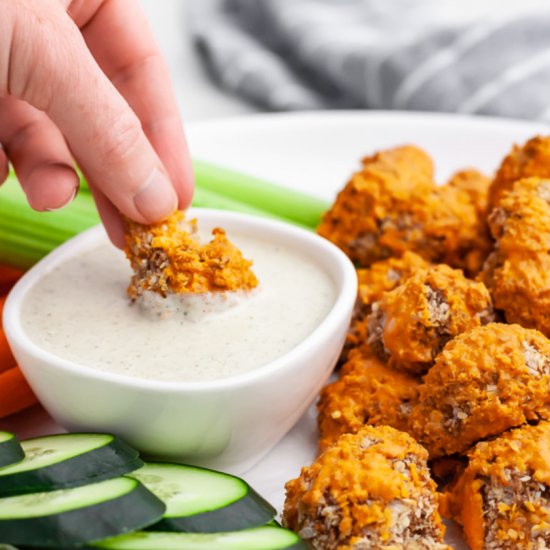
(229, 423)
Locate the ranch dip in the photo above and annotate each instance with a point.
(80, 311)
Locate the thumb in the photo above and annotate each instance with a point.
(57, 74)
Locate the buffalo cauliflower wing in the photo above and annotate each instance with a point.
(484, 382)
(411, 324)
(502, 498)
(371, 489)
(169, 258)
(368, 392)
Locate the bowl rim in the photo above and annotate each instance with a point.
(322, 250)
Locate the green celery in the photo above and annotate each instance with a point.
(209, 199)
(26, 235)
(276, 200)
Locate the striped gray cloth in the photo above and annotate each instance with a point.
(466, 56)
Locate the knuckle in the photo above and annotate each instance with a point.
(146, 64)
(24, 134)
(123, 140)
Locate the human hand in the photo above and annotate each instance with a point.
(84, 79)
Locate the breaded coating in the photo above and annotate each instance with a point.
(370, 490)
(518, 271)
(484, 382)
(168, 258)
(380, 277)
(371, 218)
(521, 222)
(368, 392)
(393, 205)
(411, 324)
(476, 186)
(521, 289)
(530, 160)
(502, 499)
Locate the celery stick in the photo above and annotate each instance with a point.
(210, 199)
(26, 235)
(275, 199)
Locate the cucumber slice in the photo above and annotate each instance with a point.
(67, 460)
(10, 449)
(259, 538)
(78, 516)
(203, 501)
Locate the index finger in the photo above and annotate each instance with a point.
(119, 37)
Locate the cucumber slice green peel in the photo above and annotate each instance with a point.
(10, 449)
(67, 460)
(78, 516)
(203, 501)
(259, 538)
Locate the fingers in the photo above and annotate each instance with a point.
(39, 155)
(103, 133)
(110, 218)
(121, 41)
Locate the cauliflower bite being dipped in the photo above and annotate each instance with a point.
(370, 490)
(380, 277)
(368, 392)
(502, 499)
(518, 271)
(530, 160)
(484, 382)
(393, 205)
(168, 258)
(411, 324)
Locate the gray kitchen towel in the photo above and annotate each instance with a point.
(432, 55)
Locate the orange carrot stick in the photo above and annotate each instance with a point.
(15, 392)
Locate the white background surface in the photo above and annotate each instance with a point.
(198, 97)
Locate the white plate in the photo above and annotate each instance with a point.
(316, 152)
